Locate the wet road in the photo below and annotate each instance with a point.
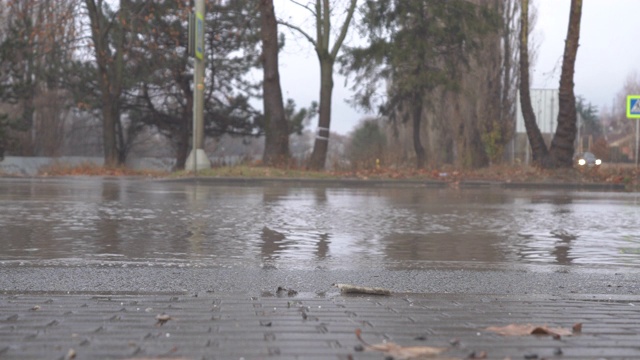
(86, 265)
(134, 221)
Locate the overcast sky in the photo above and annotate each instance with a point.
(609, 51)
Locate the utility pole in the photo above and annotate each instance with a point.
(198, 159)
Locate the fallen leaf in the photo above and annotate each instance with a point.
(155, 358)
(406, 352)
(528, 329)
(577, 328)
(402, 352)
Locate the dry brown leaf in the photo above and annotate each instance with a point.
(148, 358)
(577, 328)
(406, 352)
(528, 329)
(402, 352)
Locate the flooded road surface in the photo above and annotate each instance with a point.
(120, 221)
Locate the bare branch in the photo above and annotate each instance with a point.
(344, 29)
(299, 30)
(304, 6)
(319, 37)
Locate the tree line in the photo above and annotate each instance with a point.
(442, 73)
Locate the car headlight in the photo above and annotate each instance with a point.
(598, 161)
(581, 162)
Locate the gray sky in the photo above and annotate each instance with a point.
(607, 55)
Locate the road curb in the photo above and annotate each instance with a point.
(350, 183)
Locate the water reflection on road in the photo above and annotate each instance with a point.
(123, 220)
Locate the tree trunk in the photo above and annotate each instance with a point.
(421, 157)
(276, 149)
(110, 112)
(321, 145)
(539, 150)
(183, 147)
(562, 145)
(109, 87)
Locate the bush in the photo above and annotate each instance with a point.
(368, 145)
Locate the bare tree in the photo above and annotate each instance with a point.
(109, 47)
(327, 54)
(561, 149)
(539, 150)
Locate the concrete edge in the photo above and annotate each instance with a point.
(353, 183)
(311, 182)
(469, 184)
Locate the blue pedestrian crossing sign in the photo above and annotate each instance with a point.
(633, 106)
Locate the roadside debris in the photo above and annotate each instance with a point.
(353, 289)
(528, 329)
(71, 354)
(281, 291)
(477, 355)
(401, 352)
(162, 319)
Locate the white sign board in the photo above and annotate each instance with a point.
(545, 104)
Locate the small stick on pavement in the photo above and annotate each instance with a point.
(353, 289)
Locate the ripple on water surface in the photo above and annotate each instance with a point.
(141, 222)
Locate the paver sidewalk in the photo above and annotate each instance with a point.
(307, 326)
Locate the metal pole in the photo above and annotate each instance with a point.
(199, 80)
(198, 157)
(637, 138)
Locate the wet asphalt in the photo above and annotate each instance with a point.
(146, 279)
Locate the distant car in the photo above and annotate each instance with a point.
(588, 159)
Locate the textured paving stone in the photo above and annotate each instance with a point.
(240, 326)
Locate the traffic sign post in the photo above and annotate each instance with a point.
(633, 112)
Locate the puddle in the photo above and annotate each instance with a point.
(125, 220)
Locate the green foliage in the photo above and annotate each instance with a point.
(3, 134)
(493, 142)
(34, 43)
(297, 118)
(414, 48)
(300, 118)
(16, 72)
(416, 45)
(161, 94)
(590, 118)
(368, 145)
